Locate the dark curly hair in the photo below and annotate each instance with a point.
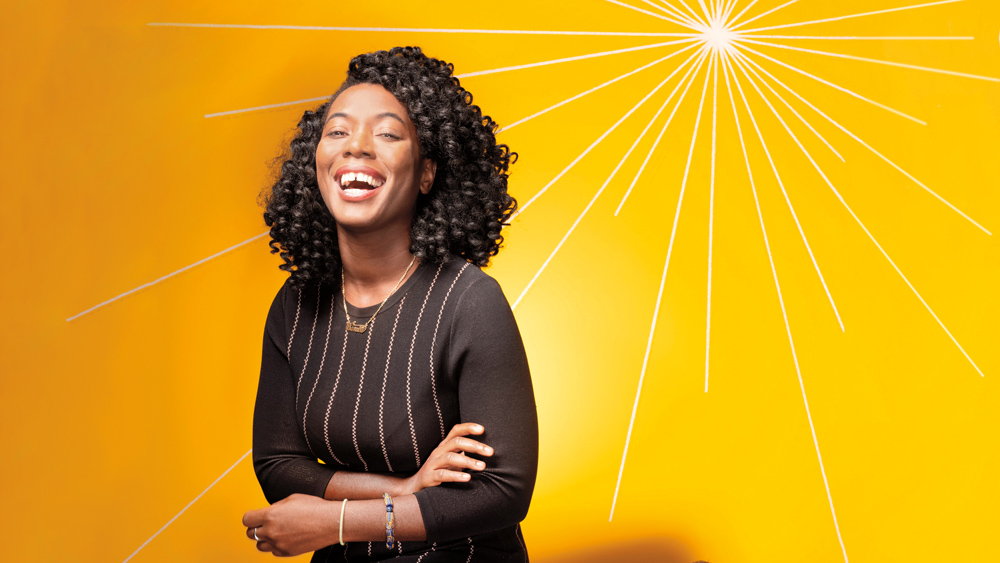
(467, 205)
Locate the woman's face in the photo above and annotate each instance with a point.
(368, 163)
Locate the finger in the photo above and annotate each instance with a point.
(264, 546)
(448, 476)
(452, 460)
(461, 443)
(254, 518)
(257, 534)
(464, 429)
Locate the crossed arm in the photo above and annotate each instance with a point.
(301, 523)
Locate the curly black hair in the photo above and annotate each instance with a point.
(467, 205)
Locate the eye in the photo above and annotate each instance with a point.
(336, 133)
(389, 135)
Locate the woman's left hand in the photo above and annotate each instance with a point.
(294, 525)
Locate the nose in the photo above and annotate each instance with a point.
(359, 145)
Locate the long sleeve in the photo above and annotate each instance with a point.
(488, 361)
(281, 458)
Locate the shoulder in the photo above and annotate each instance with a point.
(291, 302)
(285, 296)
(470, 287)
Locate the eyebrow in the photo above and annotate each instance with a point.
(379, 116)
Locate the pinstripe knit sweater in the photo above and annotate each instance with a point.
(444, 349)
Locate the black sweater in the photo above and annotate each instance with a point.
(444, 349)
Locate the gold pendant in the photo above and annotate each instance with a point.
(355, 327)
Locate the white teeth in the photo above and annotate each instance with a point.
(349, 177)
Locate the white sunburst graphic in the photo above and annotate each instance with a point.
(710, 39)
(725, 46)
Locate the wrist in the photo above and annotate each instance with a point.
(405, 486)
(332, 518)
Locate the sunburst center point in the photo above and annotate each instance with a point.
(718, 36)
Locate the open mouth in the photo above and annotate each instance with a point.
(357, 183)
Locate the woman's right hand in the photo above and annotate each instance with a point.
(447, 462)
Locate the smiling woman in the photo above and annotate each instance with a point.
(363, 447)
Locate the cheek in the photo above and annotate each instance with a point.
(323, 163)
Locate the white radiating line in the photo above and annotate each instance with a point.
(576, 58)
(586, 151)
(693, 12)
(638, 392)
(863, 37)
(476, 73)
(611, 176)
(673, 17)
(862, 225)
(613, 172)
(711, 210)
(727, 9)
(832, 85)
(695, 23)
(869, 147)
(171, 521)
(663, 130)
(708, 13)
(737, 17)
(795, 217)
(784, 314)
(269, 106)
(729, 12)
(736, 53)
(641, 11)
(867, 60)
(670, 248)
(838, 18)
(675, 12)
(755, 18)
(730, 6)
(170, 275)
(419, 30)
(594, 89)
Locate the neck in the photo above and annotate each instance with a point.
(372, 265)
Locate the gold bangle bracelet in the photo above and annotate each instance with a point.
(343, 505)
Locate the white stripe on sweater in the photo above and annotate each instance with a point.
(298, 308)
(336, 382)
(409, 365)
(430, 358)
(309, 348)
(385, 379)
(361, 386)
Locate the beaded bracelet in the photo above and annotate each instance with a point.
(390, 522)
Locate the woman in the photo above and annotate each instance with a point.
(387, 350)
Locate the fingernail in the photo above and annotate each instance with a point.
(489, 450)
(480, 464)
(465, 476)
(479, 428)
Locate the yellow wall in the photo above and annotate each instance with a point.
(115, 421)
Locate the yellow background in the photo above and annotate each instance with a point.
(113, 177)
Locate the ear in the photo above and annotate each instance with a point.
(427, 175)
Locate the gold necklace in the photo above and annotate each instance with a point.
(355, 327)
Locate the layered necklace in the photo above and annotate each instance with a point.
(355, 327)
